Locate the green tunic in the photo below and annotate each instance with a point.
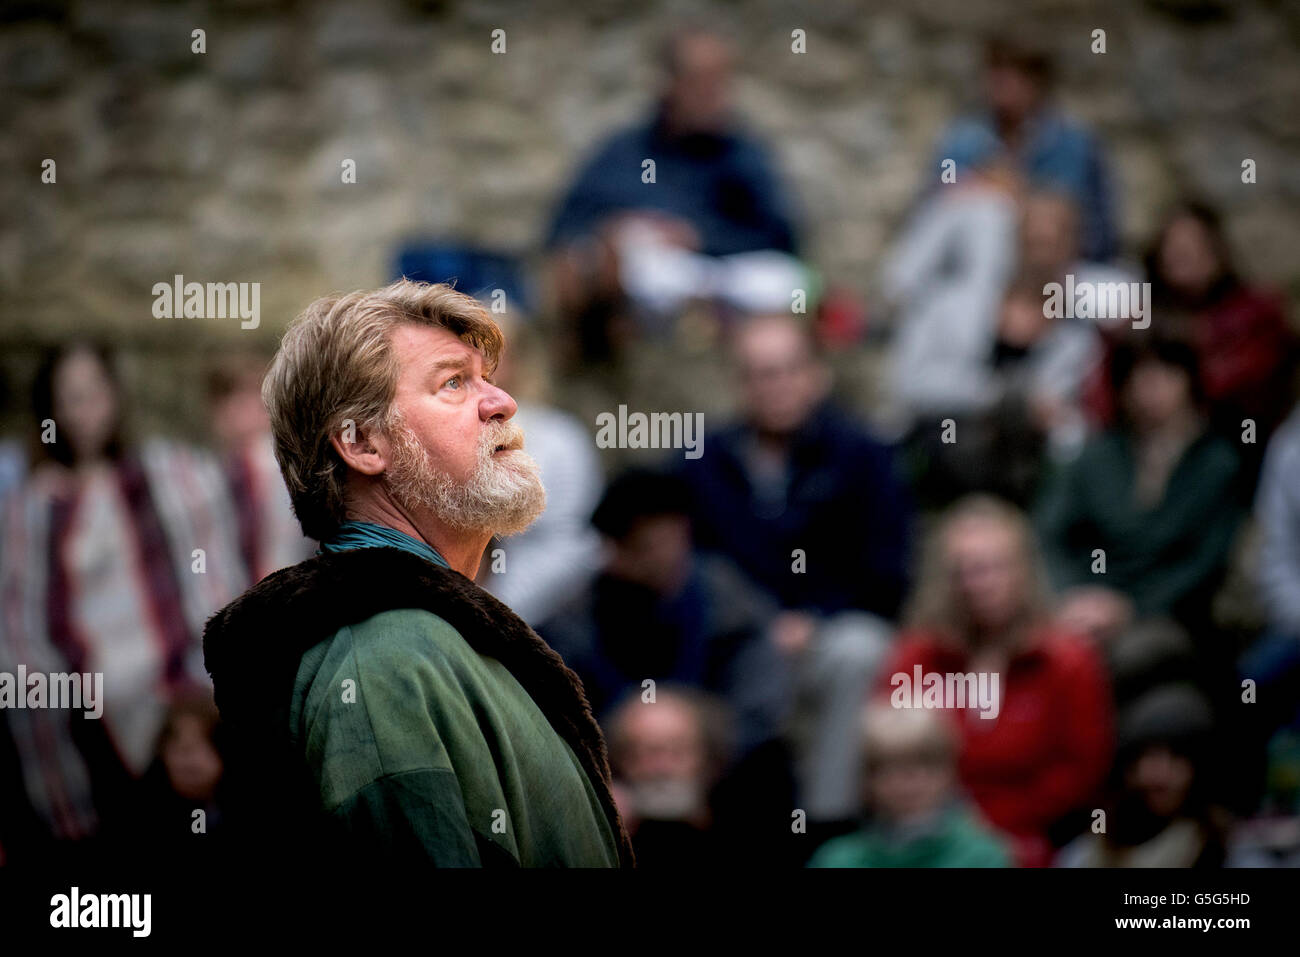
(432, 753)
(958, 840)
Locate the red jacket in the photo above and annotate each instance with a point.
(1246, 350)
(1048, 750)
(1245, 347)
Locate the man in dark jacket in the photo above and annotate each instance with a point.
(807, 504)
(661, 610)
(380, 707)
(713, 182)
(795, 479)
(681, 186)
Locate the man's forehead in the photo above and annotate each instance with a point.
(773, 347)
(423, 348)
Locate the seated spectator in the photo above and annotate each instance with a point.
(114, 554)
(1162, 814)
(666, 756)
(945, 278)
(982, 606)
(175, 818)
(1021, 126)
(950, 277)
(807, 503)
(1277, 508)
(269, 535)
(1141, 523)
(685, 795)
(797, 474)
(1034, 375)
(714, 194)
(1270, 837)
(1247, 351)
(1041, 363)
(1049, 247)
(544, 567)
(660, 611)
(1273, 661)
(918, 818)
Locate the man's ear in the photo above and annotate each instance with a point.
(362, 451)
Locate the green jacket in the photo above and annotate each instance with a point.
(1158, 555)
(382, 709)
(957, 840)
(412, 736)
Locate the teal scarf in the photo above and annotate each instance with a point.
(352, 535)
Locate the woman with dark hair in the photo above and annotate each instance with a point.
(1140, 524)
(76, 397)
(112, 556)
(1240, 333)
(1162, 813)
(1245, 349)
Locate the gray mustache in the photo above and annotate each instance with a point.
(505, 433)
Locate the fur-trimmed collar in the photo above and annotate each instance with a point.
(253, 646)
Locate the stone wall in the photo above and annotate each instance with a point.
(225, 166)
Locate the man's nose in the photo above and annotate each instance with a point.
(497, 403)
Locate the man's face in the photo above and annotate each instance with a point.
(699, 93)
(666, 761)
(656, 553)
(454, 450)
(781, 382)
(1022, 322)
(1049, 232)
(1012, 93)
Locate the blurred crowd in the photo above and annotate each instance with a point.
(1061, 500)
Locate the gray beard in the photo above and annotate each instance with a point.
(666, 799)
(499, 497)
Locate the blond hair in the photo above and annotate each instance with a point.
(336, 365)
(919, 732)
(934, 607)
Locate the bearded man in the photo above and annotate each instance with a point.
(379, 706)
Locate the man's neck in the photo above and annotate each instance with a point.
(463, 551)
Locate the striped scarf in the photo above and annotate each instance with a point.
(115, 572)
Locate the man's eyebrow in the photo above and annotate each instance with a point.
(444, 365)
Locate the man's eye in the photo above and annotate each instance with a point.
(454, 381)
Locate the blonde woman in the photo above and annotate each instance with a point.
(1030, 700)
